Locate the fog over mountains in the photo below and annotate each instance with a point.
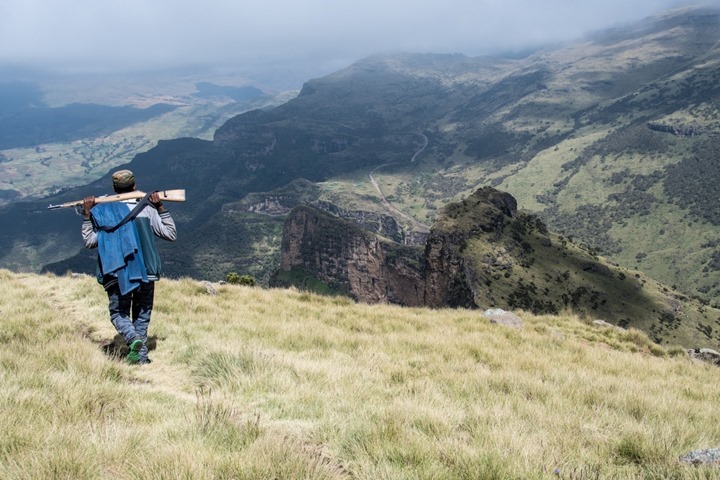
(294, 40)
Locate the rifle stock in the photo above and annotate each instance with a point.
(165, 196)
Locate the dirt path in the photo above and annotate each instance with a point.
(422, 149)
(390, 206)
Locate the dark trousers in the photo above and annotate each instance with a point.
(130, 313)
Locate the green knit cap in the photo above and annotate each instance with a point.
(123, 178)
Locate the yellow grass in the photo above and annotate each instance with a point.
(283, 384)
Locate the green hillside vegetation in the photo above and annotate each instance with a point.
(480, 253)
(516, 263)
(255, 383)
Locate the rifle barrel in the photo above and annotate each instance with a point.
(165, 195)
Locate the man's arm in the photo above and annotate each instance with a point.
(89, 234)
(162, 224)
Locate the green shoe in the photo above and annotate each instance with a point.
(133, 356)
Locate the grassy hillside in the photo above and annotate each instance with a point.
(515, 262)
(255, 383)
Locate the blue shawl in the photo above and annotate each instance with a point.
(120, 252)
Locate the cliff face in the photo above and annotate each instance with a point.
(348, 259)
(483, 253)
(349, 256)
(450, 277)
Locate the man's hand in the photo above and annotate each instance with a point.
(157, 203)
(88, 203)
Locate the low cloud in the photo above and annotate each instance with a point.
(127, 35)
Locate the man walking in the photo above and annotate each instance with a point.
(128, 262)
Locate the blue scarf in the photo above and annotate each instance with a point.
(120, 252)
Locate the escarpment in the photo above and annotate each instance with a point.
(482, 252)
(317, 246)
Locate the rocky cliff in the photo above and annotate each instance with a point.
(450, 276)
(317, 246)
(481, 253)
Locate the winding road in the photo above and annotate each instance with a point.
(386, 203)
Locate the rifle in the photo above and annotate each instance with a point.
(165, 195)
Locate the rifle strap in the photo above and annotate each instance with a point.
(132, 214)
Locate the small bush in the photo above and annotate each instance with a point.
(236, 279)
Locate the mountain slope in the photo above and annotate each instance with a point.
(610, 140)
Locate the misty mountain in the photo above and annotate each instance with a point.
(18, 96)
(37, 126)
(211, 90)
(612, 141)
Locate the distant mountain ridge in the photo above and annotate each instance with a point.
(564, 131)
(36, 126)
(57, 132)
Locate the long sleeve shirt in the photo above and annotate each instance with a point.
(149, 224)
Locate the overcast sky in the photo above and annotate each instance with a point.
(101, 35)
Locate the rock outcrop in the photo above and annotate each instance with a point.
(449, 275)
(498, 316)
(678, 130)
(347, 258)
(707, 355)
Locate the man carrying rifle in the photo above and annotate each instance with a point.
(124, 234)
